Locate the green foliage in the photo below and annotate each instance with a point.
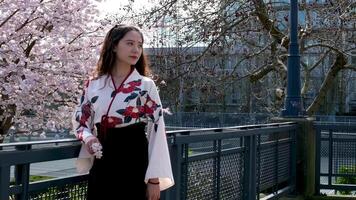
(346, 180)
(33, 178)
(71, 191)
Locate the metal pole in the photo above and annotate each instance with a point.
(293, 106)
(4, 182)
(249, 190)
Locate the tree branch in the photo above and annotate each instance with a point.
(268, 24)
(306, 78)
(325, 45)
(261, 72)
(9, 17)
(29, 48)
(351, 67)
(27, 21)
(338, 65)
(321, 58)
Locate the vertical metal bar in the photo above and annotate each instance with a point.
(215, 177)
(250, 168)
(276, 166)
(22, 175)
(246, 185)
(258, 168)
(176, 152)
(218, 171)
(330, 157)
(317, 160)
(4, 182)
(185, 170)
(167, 194)
(253, 167)
(293, 158)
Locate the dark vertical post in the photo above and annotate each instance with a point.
(330, 173)
(293, 106)
(249, 191)
(276, 156)
(4, 182)
(176, 152)
(218, 169)
(293, 160)
(22, 175)
(317, 160)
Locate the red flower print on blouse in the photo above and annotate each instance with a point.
(86, 111)
(130, 87)
(133, 112)
(150, 106)
(113, 121)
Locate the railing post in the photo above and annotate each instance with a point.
(184, 171)
(276, 159)
(22, 175)
(174, 192)
(317, 160)
(4, 182)
(330, 169)
(293, 157)
(249, 192)
(217, 168)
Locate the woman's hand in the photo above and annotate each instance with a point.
(89, 143)
(153, 191)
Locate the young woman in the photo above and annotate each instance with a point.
(120, 120)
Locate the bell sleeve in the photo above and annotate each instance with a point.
(83, 115)
(159, 165)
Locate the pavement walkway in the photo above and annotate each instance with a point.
(58, 168)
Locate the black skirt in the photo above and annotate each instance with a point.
(123, 165)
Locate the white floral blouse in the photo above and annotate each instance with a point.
(136, 101)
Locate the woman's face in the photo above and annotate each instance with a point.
(129, 48)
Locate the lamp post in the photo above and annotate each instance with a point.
(293, 106)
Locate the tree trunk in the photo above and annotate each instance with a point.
(6, 122)
(338, 65)
(268, 24)
(249, 99)
(181, 95)
(341, 93)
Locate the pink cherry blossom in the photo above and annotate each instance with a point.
(47, 48)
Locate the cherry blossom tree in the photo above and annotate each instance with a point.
(47, 48)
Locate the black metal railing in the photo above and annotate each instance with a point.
(22, 154)
(240, 162)
(335, 156)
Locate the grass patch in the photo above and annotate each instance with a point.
(346, 180)
(33, 178)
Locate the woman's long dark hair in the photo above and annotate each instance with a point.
(107, 58)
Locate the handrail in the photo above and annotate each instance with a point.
(38, 142)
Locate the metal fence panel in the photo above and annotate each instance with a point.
(336, 156)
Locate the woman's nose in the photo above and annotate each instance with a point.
(135, 49)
